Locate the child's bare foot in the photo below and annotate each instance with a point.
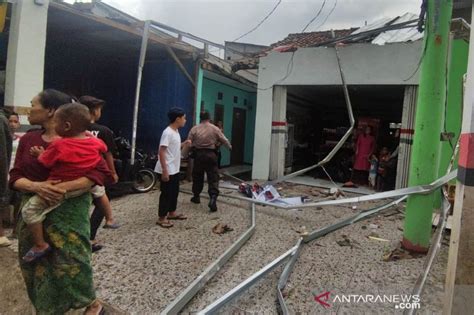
(94, 309)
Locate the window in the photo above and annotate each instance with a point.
(245, 102)
(236, 99)
(220, 95)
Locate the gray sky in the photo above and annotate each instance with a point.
(221, 20)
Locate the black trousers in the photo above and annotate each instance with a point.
(205, 161)
(169, 195)
(96, 219)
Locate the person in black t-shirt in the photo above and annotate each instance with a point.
(102, 204)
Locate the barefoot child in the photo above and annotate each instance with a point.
(168, 166)
(68, 158)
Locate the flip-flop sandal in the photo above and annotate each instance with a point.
(178, 217)
(111, 226)
(32, 256)
(165, 224)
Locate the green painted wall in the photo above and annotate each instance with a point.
(210, 90)
(200, 78)
(458, 67)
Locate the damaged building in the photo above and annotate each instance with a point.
(301, 108)
(93, 49)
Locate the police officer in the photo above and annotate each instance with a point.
(205, 139)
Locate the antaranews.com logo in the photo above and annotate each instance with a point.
(399, 301)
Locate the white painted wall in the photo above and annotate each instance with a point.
(363, 64)
(26, 51)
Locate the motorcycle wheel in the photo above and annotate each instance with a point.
(144, 181)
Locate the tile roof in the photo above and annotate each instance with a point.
(312, 38)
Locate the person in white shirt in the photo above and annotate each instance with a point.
(169, 160)
(14, 123)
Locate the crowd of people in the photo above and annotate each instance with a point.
(53, 174)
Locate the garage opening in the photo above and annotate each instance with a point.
(317, 118)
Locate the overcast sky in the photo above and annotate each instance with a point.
(221, 20)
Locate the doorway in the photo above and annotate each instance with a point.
(238, 136)
(218, 113)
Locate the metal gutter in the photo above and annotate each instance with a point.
(422, 189)
(187, 294)
(226, 298)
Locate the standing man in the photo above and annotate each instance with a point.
(205, 139)
(5, 155)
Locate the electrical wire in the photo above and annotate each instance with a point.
(261, 22)
(421, 28)
(289, 67)
(315, 17)
(257, 26)
(329, 14)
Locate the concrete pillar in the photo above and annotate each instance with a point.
(279, 129)
(26, 51)
(263, 133)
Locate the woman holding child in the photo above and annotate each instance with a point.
(62, 279)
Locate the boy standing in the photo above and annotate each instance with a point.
(102, 204)
(169, 162)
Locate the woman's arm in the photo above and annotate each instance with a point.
(46, 190)
(77, 184)
(52, 190)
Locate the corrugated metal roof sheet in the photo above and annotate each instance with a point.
(395, 36)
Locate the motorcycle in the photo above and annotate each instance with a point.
(139, 177)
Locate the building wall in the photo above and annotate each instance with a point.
(363, 64)
(114, 78)
(457, 69)
(210, 90)
(235, 48)
(164, 86)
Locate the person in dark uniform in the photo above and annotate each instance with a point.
(205, 139)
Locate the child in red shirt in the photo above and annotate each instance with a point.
(68, 158)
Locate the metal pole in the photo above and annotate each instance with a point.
(428, 120)
(141, 63)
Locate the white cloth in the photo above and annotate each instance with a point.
(172, 141)
(15, 143)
